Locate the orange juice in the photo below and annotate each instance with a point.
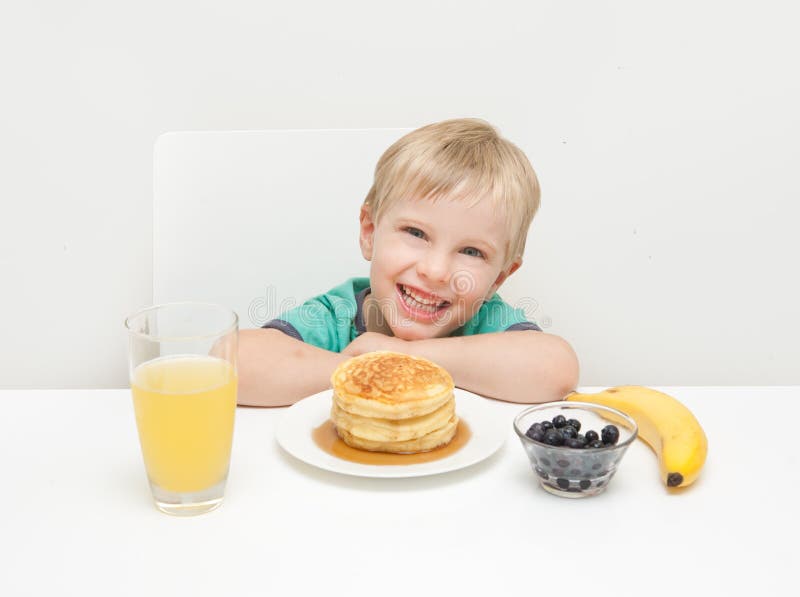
(185, 408)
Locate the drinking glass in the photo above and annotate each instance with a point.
(182, 360)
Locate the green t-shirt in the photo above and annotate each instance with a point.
(333, 320)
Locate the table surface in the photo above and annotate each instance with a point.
(76, 515)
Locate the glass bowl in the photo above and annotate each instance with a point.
(575, 472)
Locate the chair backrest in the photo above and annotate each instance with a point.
(260, 220)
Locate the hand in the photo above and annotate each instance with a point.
(372, 341)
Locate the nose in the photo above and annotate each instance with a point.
(434, 266)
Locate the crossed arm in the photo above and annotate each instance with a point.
(519, 366)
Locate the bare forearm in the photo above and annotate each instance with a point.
(276, 370)
(522, 366)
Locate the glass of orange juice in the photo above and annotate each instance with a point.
(183, 378)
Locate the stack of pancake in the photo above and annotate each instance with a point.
(390, 402)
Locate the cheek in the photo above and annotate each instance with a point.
(384, 270)
(394, 256)
(472, 282)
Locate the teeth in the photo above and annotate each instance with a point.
(414, 300)
(414, 304)
(418, 298)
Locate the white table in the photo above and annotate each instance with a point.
(76, 516)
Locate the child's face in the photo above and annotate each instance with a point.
(434, 264)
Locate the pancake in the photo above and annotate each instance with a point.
(392, 430)
(390, 385)
(435, 439)
(391, 402)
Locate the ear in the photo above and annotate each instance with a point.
(515, 265)
(367, 232)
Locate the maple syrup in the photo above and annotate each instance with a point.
(327, 439)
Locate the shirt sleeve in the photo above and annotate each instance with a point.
(313, 322)
(284, 326)
(524, 325)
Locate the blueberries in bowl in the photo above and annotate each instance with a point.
(568, 462)
(560, 432)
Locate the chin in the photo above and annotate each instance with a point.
(414, 333)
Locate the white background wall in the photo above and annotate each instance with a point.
(671, 128)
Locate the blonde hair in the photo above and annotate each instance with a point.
(463, 159)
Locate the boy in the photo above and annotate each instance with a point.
(443, 227)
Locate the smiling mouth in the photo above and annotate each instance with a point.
(421, 302)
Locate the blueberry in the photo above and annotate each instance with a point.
(596, 444)
(610, 434)
(535, 432)
(574, 423)
(585, 484)
(574, 442)
(562, 483)
(536, 436)
(591, 436)
(553, 437)
(546, 425)
(534, 428)
(559, 421)
(568, 431)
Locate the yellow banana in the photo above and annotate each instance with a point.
(665, 424)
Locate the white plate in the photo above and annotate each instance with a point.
(488, 427)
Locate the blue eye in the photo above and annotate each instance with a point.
(415, 232)
(473, 252)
